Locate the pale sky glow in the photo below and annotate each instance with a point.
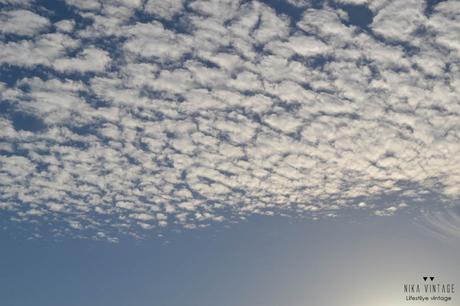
(264, 261)
(228, 152)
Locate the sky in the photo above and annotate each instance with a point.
(151, 146)
(261, 262)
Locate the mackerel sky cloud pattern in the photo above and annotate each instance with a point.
(127, 117)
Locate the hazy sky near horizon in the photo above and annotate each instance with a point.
(264, 261)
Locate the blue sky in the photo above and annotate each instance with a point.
(265, 261)
(142, 122)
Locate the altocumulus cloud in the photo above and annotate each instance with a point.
(126, 117)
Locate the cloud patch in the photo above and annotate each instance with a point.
(22, 22)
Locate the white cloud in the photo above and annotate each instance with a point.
(85, 4)
(354, 2)
(53, 100)
(89, 60)
(41, 51)
(445, 23)
(22, 22)
(399, 19)
(152, 40)
(164, 9)
(17, 2)
(65, 25)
